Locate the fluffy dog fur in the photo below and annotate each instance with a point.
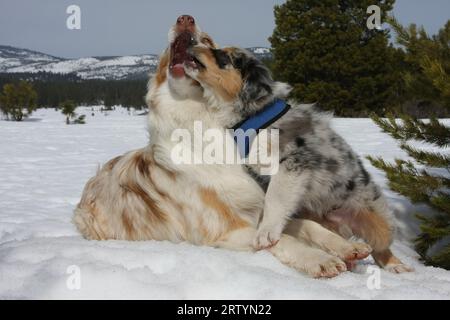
(320, 176)
(143, 195)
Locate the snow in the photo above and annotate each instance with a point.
(16, 60)
(261, 50)
(44, 165)
(86, 64)
(128, 61)
(88, 68)
(11, 58)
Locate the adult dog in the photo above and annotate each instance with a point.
(144, 195)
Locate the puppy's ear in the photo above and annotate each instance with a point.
(257, 82)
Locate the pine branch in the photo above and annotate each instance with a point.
(389, 126)
(426, 78)
(403, 36)
(405, 179)
(446, 182)
(441, 258)
(411, 128)
(419, 186)
(428, 158)
(440, 79)
(442, 201)
(433, 230)
(433, 132)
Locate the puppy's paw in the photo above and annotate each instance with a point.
(356, 251)
(390, 263)
(326, 267)
(398, 268)
(266, 237)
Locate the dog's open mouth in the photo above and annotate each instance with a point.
(180, 55)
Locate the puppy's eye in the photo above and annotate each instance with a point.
(222, 58)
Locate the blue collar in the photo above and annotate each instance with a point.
(261, 120)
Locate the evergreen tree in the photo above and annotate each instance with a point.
(325, 50)
(427, 59)
(18, 100)
(68, 109)
(427, 179)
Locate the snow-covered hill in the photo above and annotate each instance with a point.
(16, 60)
(261, 52)
(11, 58)
(44, 165)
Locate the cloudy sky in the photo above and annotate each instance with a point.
(117, 27)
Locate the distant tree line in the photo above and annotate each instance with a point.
(54, 89)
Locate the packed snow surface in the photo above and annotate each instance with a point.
(44, 165)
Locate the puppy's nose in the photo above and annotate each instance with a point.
(185, 21)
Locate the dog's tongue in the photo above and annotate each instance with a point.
(177, 70)
(179, 54)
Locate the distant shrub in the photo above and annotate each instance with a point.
(68, 109)
(18, 100)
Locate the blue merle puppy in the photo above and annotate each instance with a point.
(319, 178)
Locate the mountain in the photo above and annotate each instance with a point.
(17, 60)
(261, 52)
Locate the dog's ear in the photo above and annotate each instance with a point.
(258, 86)
(257, 81)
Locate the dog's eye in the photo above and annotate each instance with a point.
(222, 58)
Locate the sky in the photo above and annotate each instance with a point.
(117, 27)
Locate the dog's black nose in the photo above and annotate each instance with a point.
(185, 20)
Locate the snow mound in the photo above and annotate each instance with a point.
(44, 165)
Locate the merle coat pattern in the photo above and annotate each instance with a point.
(320, 177)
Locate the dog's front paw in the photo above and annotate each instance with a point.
(315, 262)
(266, 237)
